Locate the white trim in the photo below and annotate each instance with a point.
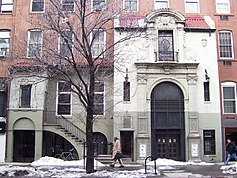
(223, 1)
(8, 4)
(57, 94)
(104, 47)
(92, 9)
(155, 1)
(232, 47)
(228, 84)
(36, 11)
(41, 42)
(192, 1)
(61, 3)
(103, 97)
(20, 98)
(59, 42)
(129, 10)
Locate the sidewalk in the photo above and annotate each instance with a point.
(129, 171)
(189, 171)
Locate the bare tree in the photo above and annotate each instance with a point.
(81, 56)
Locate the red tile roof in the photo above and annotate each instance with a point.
(191, 22)
(196, 22)
(132, 22)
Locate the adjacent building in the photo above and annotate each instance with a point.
(171, 92)
(167, 105)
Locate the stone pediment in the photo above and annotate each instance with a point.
(165, 16)
(167, 68)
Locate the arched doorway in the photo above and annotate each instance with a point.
(55, 144)
(167, 122)
(100, 143)
(23, 140)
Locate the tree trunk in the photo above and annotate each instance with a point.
(89, 123)
(89, 141)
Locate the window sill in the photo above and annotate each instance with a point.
(220, 14)
(6, 13)
(99, 116)
(25, 109)
(62, 116)
(214, 155)
(38, 12)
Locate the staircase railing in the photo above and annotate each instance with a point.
(70, 128)
(63, 123)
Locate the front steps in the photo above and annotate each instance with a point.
(107, 159)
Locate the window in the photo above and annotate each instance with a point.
(66, 42)
(98, 37)
(161, 4)
(4, 43)
(209, 142)
(64, 98)
(98, 4)
(225, 44)
(6, 6)
(192, 6)
(99, 98)
(25, 96)
(131, 5)
(126, 91)
(37, 5)
(165, 45)
(229, 97)
(206, 91)
(3, 99)
(68, 5)
(223, 6)
(34, 44)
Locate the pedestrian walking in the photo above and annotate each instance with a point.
(117, 153)
(231, 151)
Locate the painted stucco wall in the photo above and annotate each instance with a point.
(144, 73)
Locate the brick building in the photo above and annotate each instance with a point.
(201, 34)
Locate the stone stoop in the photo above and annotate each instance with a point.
(107, 159)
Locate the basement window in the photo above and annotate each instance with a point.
(209, 142)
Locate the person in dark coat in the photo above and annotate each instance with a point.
(231, 151)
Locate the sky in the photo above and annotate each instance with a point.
(52, 167)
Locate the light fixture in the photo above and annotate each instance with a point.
(204, 42)
(206, 76)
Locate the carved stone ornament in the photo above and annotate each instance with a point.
(142, 78)
(165, 21)
(142, 123)
(192, 79)
(194, 125)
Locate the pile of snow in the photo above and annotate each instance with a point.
(168, 162)
(229, 169)
(52, 167)
(50, 161)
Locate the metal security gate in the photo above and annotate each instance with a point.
(167, 122)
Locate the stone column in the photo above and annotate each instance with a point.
(38, 144)
(194, 141)
(9, 149)
(142, 118)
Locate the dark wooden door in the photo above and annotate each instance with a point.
(127, 143)
(24, 146)
(168, 146)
